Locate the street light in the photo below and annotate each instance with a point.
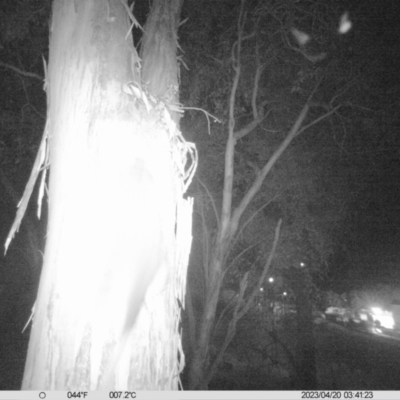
(271, 280)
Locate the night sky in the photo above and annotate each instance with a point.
(371, 234)
(371, 251)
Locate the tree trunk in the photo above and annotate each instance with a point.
(200, 361)
(305, 345)
(106, 314)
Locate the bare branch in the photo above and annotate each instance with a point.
(21, 72)
(240, 311)
(248, 128)
(240, 254)
(231, 329)
(253, 124)
(230, 145)
(256, 290)
(234, 302)
(243, 226)
(41, 162)
(319, 119)
(266, 169)
(211, 199)
(254, 215)
(255, 187)
(344, 90)
(259, 71)
(207, 114)
(206, 247)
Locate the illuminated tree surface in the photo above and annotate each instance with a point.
(118, 237)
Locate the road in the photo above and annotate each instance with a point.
(349, 359)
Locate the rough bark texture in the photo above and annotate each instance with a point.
(160, 42)
(107, 296)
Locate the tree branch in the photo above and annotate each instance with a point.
(239, 255)
(256, 290)
(259, 71)
(211, 199)
(319, 119)
(243, 226)
(250, 126)
(231, 330)
(266, 169)
(230, 145)
(21, 72)
(240, 311)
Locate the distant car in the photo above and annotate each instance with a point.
(362, 320)
(383, 319)
(318, 317)
(337, 314)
